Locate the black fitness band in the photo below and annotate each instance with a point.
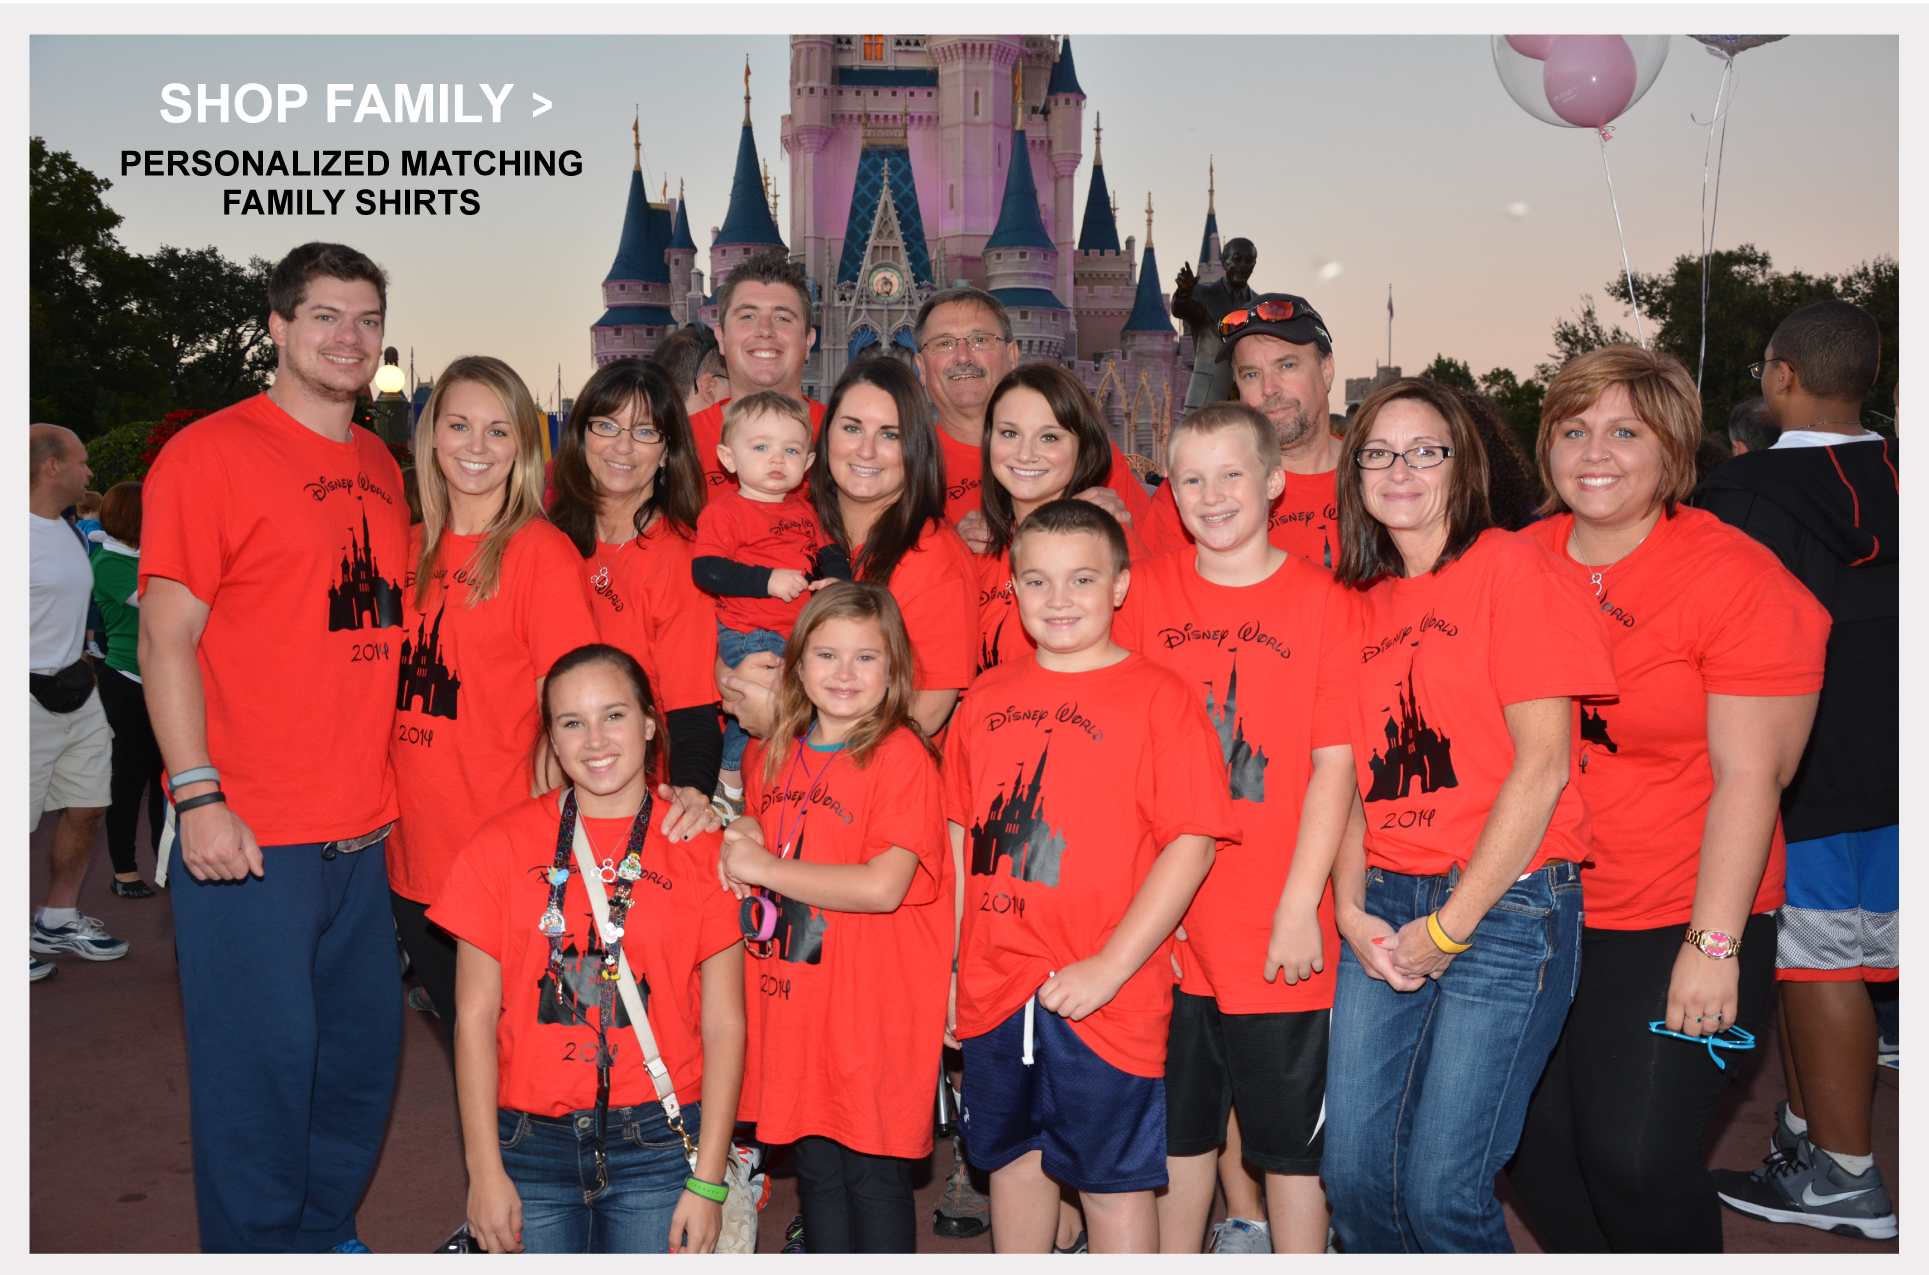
(205, 799)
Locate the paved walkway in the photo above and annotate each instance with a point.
(109, 1072)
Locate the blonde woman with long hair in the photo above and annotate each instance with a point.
(494, 597)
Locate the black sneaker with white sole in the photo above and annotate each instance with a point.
(1810, 1189)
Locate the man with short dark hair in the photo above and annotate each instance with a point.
(964, 349)
(1281, 357)
(764, 329)
(274, 547)
(69, 743)
(1751, 428)
(1825, 499)
(690, 358)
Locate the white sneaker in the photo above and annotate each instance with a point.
(86, 937)
(1239, 1235)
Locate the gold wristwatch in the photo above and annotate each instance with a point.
(1715, 945)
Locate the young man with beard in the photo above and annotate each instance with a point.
(1282, 363)
(764, 329)
(273, 546)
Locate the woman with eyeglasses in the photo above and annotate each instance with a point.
(1459, 893)
(570, 1145)
(628, 491)
(491, 602)
(1718, 655)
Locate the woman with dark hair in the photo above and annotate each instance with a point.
(878, 485)
(1718, 655)
(137, 758)
(629, 487)
(1512, 494)
(1461, 902)
(565, 1157)
(1045, 440)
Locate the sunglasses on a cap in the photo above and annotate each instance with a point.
(1265, 312)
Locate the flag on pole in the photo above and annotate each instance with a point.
(1389, 303)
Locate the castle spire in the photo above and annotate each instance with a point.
(1099, 231)
(636, 136)
(1148, 306)
(748, 219)
(746, 90)
(1098, 139)
(1064, 74)
(1212, 217)
(1210, 211)
(1148, 221)
(1019, 225)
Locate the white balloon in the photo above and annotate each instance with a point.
(1521, 75)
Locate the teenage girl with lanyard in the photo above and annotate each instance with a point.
(568, 1147)
(845, 868)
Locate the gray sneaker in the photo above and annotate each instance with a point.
(1811, 1189)
(963, 1212)
(86, 938)
(1784, 1142)
(1238, 1235)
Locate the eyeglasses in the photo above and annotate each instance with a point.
(974, 341)
(1425, 457)
(643, 434)
(1265, 312)
(1732, 1038)
(1756, 369)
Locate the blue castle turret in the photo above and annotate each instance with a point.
(1021, 260)
(636, 291)
(749, 227)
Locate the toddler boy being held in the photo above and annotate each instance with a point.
(762, 550)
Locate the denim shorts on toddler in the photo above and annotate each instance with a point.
(1101, 1129)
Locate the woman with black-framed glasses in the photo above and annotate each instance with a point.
(628, 489)
(1458, 892)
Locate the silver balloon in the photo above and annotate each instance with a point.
(1727, 46)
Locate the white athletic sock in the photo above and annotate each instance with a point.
(55, 918)
(1796, 1125)
(1852, 1164)
(735, 794)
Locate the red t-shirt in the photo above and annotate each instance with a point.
(1068, 786)
(760, 533)
(1001, 634)
(1440, 656)
(831, 1062)
(298, 545)
(964, 475)
(466, 709)
(1697, 609)
(1273, 663)
(706, 430)
(936, 587)
(647, 604)
(1305, 520)
(546, 1038)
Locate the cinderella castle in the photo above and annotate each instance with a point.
(901, 151)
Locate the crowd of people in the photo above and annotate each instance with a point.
(1337, 824)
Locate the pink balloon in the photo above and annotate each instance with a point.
(1532, 46)
(1589, 79)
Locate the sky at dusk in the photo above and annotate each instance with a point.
(1352, 161)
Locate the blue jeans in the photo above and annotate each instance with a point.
(552, 1161)
(293, 1007)
(1426, 1091)
(732, 646)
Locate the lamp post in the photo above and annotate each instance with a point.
(391, 409)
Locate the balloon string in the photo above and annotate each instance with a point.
(1607, 131)
(1708, 218)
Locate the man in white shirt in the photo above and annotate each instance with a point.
(70, 744)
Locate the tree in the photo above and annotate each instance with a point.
(1747, 300)
(1578, 335)
(1519, 403)
(1448, 371)
(213, 316)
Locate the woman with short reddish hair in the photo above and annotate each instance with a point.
(1718, 661)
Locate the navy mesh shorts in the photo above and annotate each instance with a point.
(1101, 1130)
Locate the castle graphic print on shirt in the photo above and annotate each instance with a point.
(568, 1000)
(1014, 829)
(1414, 750)
(1594, 730)
(364, 598)
(423, 673)
(1245, 764)
(799, 936)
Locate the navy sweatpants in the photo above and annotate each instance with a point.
(294, 1024)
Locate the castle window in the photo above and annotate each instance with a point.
(1024, 256)
(974, 101)
(1024, 314)
(954, 197)
(873, 48)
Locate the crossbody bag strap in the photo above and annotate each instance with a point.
(626, 981)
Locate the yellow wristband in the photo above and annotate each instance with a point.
(1440, 939)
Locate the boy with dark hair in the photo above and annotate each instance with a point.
(1068, 903)
(1268, 641)
(1825, 499)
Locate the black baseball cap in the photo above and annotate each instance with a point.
(1276, 314)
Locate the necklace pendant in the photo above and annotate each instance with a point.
(601, 579)
(608, 871)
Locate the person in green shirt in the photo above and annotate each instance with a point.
(137, 758)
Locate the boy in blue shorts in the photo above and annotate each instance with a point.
(1087, 798)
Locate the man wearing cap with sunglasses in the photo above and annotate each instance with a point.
(1281, 357)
